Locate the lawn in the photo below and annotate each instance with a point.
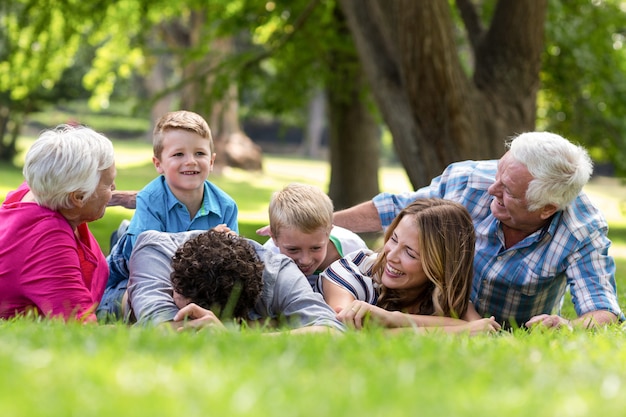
(56, 369)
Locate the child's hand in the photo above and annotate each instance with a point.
(263, 231)
(195, 317)
(222, 228)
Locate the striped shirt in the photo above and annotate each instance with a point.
(531, 277)
(353, 272)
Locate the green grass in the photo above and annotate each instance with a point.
(56, 369)
(53, 369)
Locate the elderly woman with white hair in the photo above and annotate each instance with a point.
(50, 263)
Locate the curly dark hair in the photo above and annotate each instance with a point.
(220, 272)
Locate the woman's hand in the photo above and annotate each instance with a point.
(358, 312)
(486, 325)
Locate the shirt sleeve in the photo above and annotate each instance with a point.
(150, 293)
(591, 277)
(294, 301)
(144, 218)
(230, 218)
(353, 273)
(451, 181)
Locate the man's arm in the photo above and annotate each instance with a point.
(126, 199)
(193, 316)
(361, 218)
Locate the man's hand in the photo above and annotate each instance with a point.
(586, 321)
(192, 316)
(549, 321)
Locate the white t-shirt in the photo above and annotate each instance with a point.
(345, 241)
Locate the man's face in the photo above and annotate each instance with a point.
(509, 191)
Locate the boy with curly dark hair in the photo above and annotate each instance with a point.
(226, 278)
(199, 278)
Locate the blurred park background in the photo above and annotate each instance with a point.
(359, 86)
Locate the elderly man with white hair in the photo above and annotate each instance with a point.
(537, 232)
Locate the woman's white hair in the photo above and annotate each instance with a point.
(559, 168)
(64, 160)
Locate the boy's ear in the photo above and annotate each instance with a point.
(157, 164)
(212, 162)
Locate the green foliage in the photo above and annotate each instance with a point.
(302, 40)
(584, 76)
(33, 38)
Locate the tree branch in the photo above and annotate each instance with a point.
(472, 22)
(299, 22)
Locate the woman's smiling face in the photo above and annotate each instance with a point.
(403, 269)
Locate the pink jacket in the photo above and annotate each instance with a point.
(43, 266)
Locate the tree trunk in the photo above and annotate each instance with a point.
(154, 83)
(436, 113)
(355, 163)
(312, 144)
(232, 146)
(354, 173)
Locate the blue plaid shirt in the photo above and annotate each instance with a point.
(531, 277)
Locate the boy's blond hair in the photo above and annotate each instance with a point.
(302, 207)
(182, 119)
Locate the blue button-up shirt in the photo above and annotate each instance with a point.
(531, 277)
(158, 209)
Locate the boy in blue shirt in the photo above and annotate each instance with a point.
(180, 199)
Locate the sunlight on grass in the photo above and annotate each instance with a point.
(112, 370)
(253, 190)
(280, 171)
